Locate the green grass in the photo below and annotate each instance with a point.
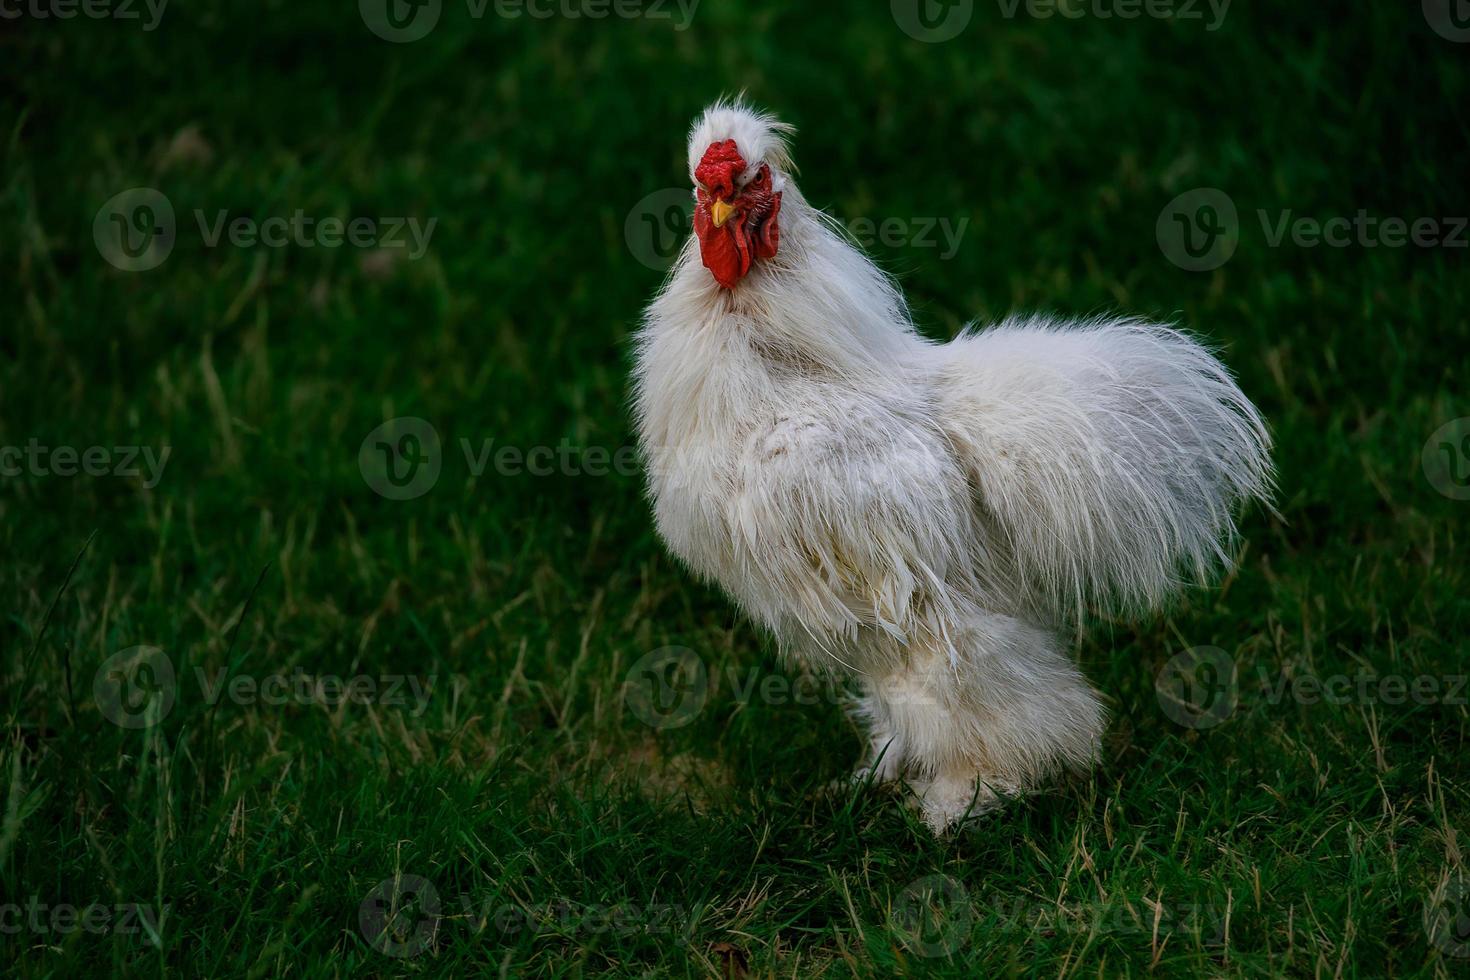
(1296, 839)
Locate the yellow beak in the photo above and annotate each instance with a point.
(720, 212)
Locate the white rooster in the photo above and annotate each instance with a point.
(926, 517)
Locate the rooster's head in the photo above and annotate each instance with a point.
(737, 192)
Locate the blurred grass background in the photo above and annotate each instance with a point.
(1307, 839)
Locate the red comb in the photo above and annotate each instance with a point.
(717, 171)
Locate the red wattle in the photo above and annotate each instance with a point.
(769, 237)
(726, 250)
